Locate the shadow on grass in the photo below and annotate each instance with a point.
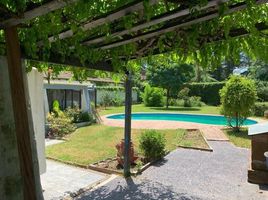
(175, 109)
(242, 134)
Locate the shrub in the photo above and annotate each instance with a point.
(73, 113)
(238, 97)
(60, 125)
(262, 90)
(85, 117)
(117, 101)
(209, 91)
(106, 100)
(77, 116)
(260, 108)
(56, 107)
(152, 144)
(195, 101)
(153, 96)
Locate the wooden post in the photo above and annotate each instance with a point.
(128, 102)
(21, 116)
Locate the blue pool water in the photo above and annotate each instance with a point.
(202, 119)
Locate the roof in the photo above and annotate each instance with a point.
(258, 129)
(68, 76)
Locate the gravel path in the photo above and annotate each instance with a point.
(189, 175)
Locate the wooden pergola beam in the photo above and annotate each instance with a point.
(234, 33)
(36, 12)
(154, 21)
(20, 109)
(107, 18)
(174, 27)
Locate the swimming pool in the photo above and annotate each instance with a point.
(202, 119)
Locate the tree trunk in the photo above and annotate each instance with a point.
(167, 102)
(236, 122)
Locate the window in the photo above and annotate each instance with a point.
(66, 98)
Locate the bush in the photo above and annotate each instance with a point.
(262, 90)
(106, 100)
(85, 117)
(153, 96)
(238, 97)
(73, 113)
(152, 144)
(260, 108)
(117, 101)
(193, 101)
(209, 92)
(60, 125)
(77, 116)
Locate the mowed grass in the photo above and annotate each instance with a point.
(97, 142)
(142, 108)
(240, 139)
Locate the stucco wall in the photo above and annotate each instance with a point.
(10, 177)
(35, 86)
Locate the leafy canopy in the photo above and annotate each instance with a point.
(207, 43)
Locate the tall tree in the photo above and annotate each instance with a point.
(169, 77)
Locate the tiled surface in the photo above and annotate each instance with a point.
(61, 179)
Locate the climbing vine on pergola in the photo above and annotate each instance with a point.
(114, 35)
(106, 34)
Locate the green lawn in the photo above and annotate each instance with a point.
(240, 139)
(97, 142)
(142, 108)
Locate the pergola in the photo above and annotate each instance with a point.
(104, 35)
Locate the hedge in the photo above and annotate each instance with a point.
(114, 88)
(208, 91)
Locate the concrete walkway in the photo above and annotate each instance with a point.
(189, 175)
(62, 180)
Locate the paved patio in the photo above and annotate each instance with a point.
(61, 180)
(189, 175)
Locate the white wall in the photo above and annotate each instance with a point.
(35, 86)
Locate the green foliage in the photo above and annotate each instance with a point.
(77, 116)
(262, 90)
(260, 108)
(169, 76)
(85, 117)
(56, 107)
(152, 96)
(237, 100)
(209, 92)
(152, 144)
(60, 125)
(189, 101)
(192, 43)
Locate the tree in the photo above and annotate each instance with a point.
(237, 100)
(170, 77)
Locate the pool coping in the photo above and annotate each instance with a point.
(258, 120)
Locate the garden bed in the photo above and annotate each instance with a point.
(111, 166)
